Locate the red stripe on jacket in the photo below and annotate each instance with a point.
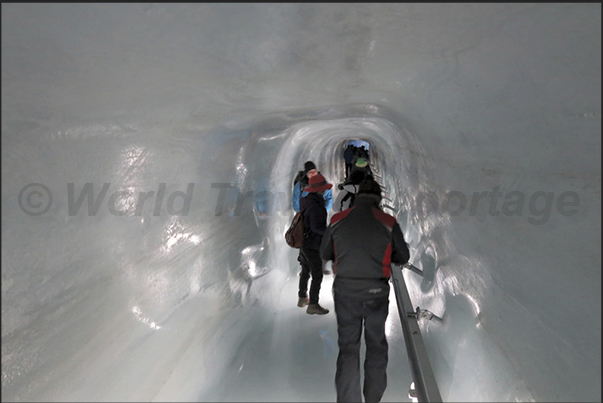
(389, 221)
(387, 260)
(334, 219)
(341, 215)
(384, 218)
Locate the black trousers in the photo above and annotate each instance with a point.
(352, 316)
(348, 168)
(311, 265)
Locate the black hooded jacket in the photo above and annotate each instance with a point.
(313, 209)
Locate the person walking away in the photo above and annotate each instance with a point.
(347, 194)
(299, 184)
(362, 241)
(348, 157)
(313, 210)
(364, 153)
(362, 165)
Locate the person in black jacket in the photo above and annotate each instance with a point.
(362, 164)
(362, 241)
(312, 208)
(348, 158)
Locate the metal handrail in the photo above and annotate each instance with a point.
(422, 374)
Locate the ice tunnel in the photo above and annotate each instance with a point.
(148, 152)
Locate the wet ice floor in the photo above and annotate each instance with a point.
(294, 358)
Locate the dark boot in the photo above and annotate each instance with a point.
(316, 309)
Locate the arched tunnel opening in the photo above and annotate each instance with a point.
(396, 167)
(266, 192)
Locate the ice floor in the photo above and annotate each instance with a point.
(147, 158)
(308, 344)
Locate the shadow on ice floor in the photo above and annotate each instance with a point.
(294, 358)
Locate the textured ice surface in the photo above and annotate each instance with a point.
(454, 99)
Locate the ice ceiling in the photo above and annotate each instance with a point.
(484, 122)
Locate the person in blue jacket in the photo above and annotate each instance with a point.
(301, 182)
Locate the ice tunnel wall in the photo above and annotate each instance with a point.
(455, 99)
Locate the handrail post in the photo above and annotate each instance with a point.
(422, 374)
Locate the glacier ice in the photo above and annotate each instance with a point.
(130, 300)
